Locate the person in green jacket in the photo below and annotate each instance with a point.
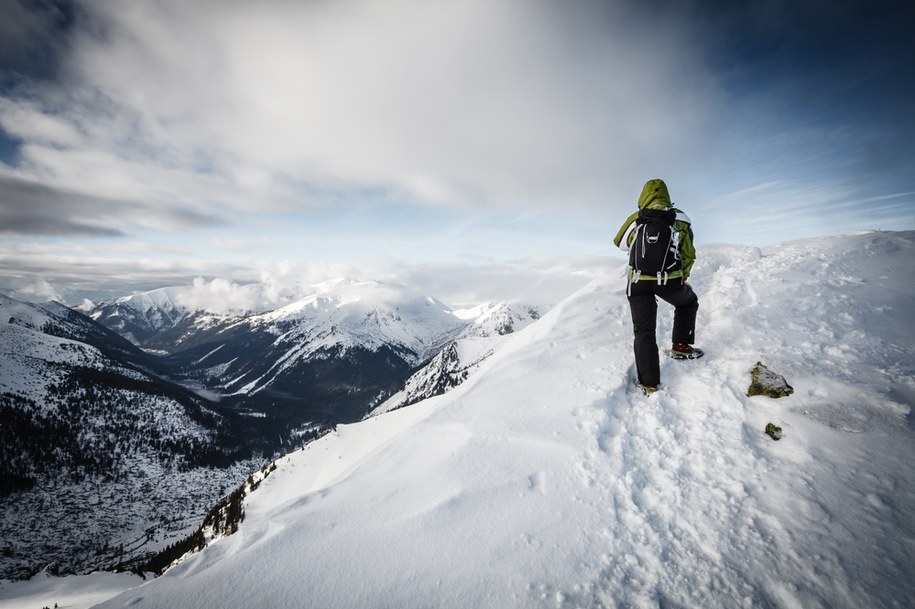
(644, 289)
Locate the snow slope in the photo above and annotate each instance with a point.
(546, 481)
(30, 359)
(463, 356)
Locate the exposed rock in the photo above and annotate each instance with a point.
(774, 431)
(766, 382)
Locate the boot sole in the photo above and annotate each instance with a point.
(694, 355)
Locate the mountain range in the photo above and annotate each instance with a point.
(324, 359)
(143, 388)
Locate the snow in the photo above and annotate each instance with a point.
(141, 501)
(199, 361)
(161, 299)
(486, 327)
(32, 316)
(74, 592)
(348, 313)
(546, 480)
(26, 352)
(476, 349)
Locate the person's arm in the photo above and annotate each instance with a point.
(624, 235)
(687, 249)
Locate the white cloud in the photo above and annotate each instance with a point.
(26, 121)
(220, 296)
(190, 137)
(33, 289)
(512, 103)
(38, 272)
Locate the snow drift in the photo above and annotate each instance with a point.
(546, 480)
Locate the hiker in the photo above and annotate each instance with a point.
(659, 239)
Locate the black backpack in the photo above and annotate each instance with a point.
(655, 245)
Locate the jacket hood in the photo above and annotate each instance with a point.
(654, 195)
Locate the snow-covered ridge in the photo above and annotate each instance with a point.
(657, 497)
(371, 323)
(478, 340)
(342, 313)
(138, 316)
(417, 328)
(161, 298)
(31, 359)
(22, 314)
(546, 481)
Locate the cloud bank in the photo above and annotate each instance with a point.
(275, 104)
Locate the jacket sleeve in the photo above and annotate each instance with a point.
(623, 237)
(687, 249)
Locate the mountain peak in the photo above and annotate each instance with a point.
(166, 298)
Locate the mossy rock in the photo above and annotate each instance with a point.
(774, 431)
(768, 383)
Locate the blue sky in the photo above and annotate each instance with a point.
(482, 148)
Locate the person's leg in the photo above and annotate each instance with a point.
(686, 305)
(644, 309)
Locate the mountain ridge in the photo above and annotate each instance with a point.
(548, 480)
(54, 357)
(365, 337)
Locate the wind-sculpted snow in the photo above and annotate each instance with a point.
(546, 480)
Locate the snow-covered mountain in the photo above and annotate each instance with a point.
(368, 314)
(101, 460)
(328, 357)
(546, 480)
(283, 377)
(470, 347)
(139, 317)
(496, 319)
(343, 313)
(317, 361)
(55, 319)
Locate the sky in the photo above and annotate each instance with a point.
(480, 149)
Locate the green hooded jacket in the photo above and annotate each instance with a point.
(656, 196)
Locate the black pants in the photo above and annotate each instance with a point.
(644, 308)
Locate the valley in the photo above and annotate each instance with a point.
(113, 449)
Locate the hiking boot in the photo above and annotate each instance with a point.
(682, 351)
(648, 389)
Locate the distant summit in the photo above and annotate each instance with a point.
(140, 316)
